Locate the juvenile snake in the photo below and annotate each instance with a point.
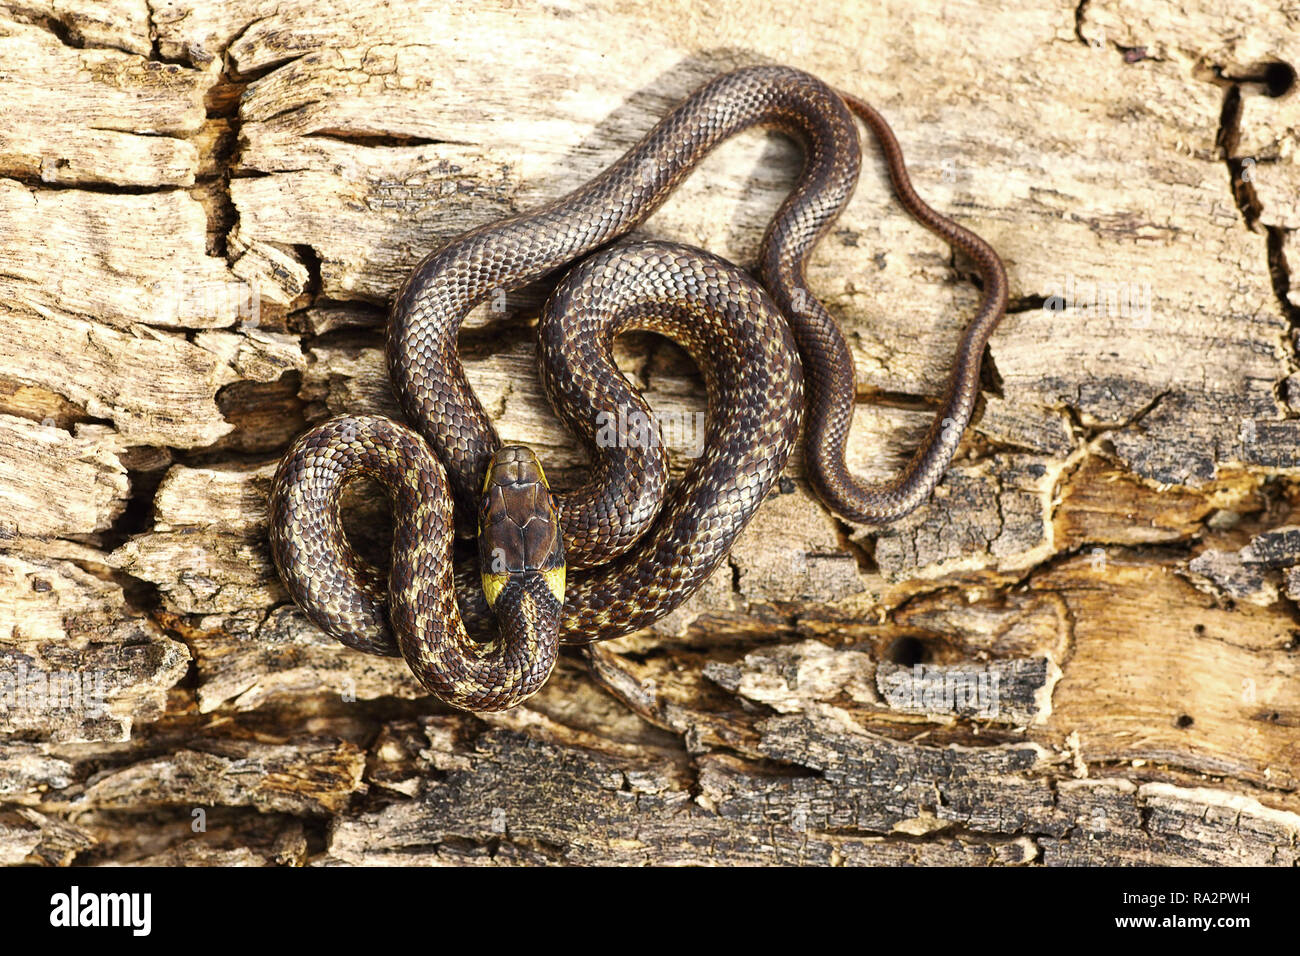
(630, 559)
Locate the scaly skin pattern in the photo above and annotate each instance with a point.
(346, 598)
(500, 256)
(730, 327)
(727, 323)
(643, 557)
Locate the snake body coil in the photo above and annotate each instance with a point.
(631, 559)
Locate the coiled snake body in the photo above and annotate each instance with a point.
(764, 346)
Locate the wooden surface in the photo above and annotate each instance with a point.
(206, 207)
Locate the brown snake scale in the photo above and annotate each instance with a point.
(635, 549)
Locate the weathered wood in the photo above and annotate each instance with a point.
(1082, 650)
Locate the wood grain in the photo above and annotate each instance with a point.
(1084, 649)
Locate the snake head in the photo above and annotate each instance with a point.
(521, 547)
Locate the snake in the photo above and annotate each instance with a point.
(624, 549)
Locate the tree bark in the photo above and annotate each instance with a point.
(1084, 649)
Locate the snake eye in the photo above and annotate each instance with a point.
(493, 583)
